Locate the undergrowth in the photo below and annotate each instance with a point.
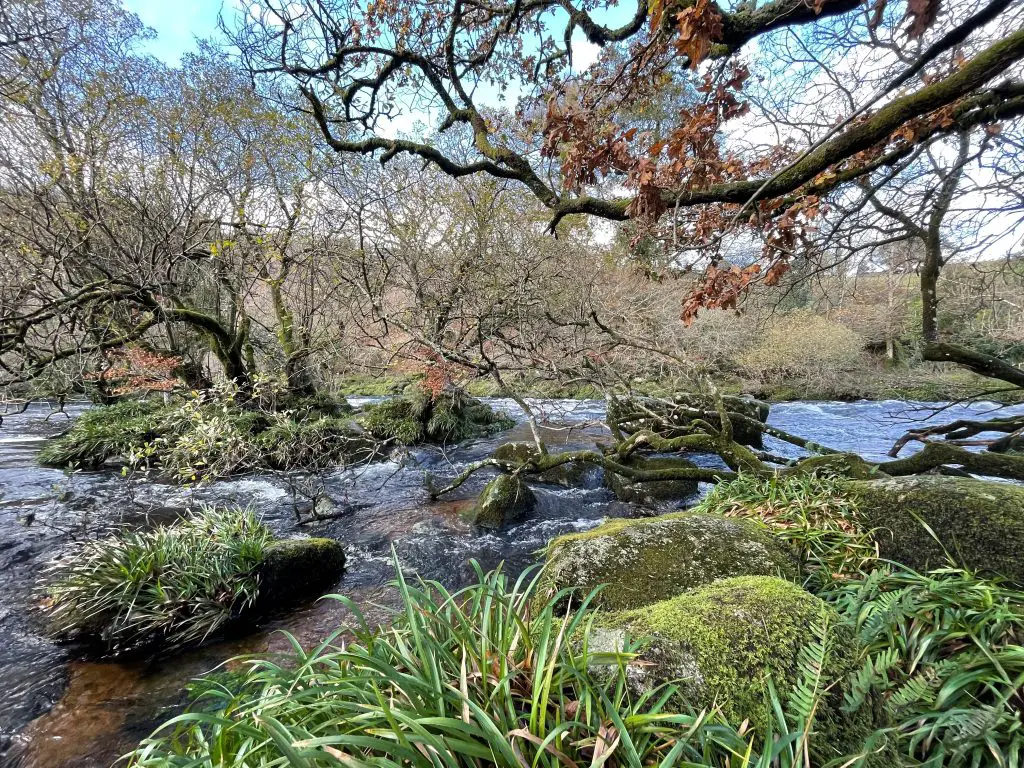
(944, 651)
(813, 514)
(212, 434)
(470, 678)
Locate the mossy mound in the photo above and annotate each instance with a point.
(419, 417)
(652, 559)
(722, 643)
(674, 415)
(180, 584)
(980, 523)
(296, 568)
(105, 434)
(650, 493)
(207, 436)
(506, 499)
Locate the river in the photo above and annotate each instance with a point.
(57, 711)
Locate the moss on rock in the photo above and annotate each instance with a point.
(980, 523)
(650, 493)
(419, 417)
(504, 500)
(840, 464)
(516, 452)
(722, 643)
(296, 568)
(644, 561)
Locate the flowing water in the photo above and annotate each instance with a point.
(56, 711)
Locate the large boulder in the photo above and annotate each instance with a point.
(650, 493)
(722, 643)
(673, 415)
(979, 523)
(295, 568)
(506, 499)
(644, 561)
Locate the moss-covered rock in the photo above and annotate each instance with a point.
(722, 643)
(839, 464)
(673, 415)
(516, 452)
(420, 417)
(980, 523)
(651, 559)
(504, 500)
(296, 568)
(650, 493)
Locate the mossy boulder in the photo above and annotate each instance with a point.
(980, 523)
(505, 499)
(722, 643)
(840, 464)
(650, 493)
(419, 416)
(516, 452)
(295, 568)
(644, 561)
(673, 415)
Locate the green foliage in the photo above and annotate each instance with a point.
(213, 434)
(173, 585)
(102, 434)
(814, 514)
(468, 678)
(446, 417)
(472, 678)
(944, 650)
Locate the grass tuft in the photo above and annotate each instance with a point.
(815, 515)
(173, 585)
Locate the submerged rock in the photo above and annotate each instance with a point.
(506, 499)
(652, 559)
(649, 493)
(672, 416)
(722, 643)
(918, 520)
(295, 568)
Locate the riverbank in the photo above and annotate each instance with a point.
(912, 384)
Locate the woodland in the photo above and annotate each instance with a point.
(343, 235)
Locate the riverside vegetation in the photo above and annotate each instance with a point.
(832, 656)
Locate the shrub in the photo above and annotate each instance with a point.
(804, 348)
(944, 649)
(815, 515)
(172, 585)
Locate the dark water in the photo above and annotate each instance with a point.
(56, 711)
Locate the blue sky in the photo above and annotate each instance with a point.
(177, 23)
